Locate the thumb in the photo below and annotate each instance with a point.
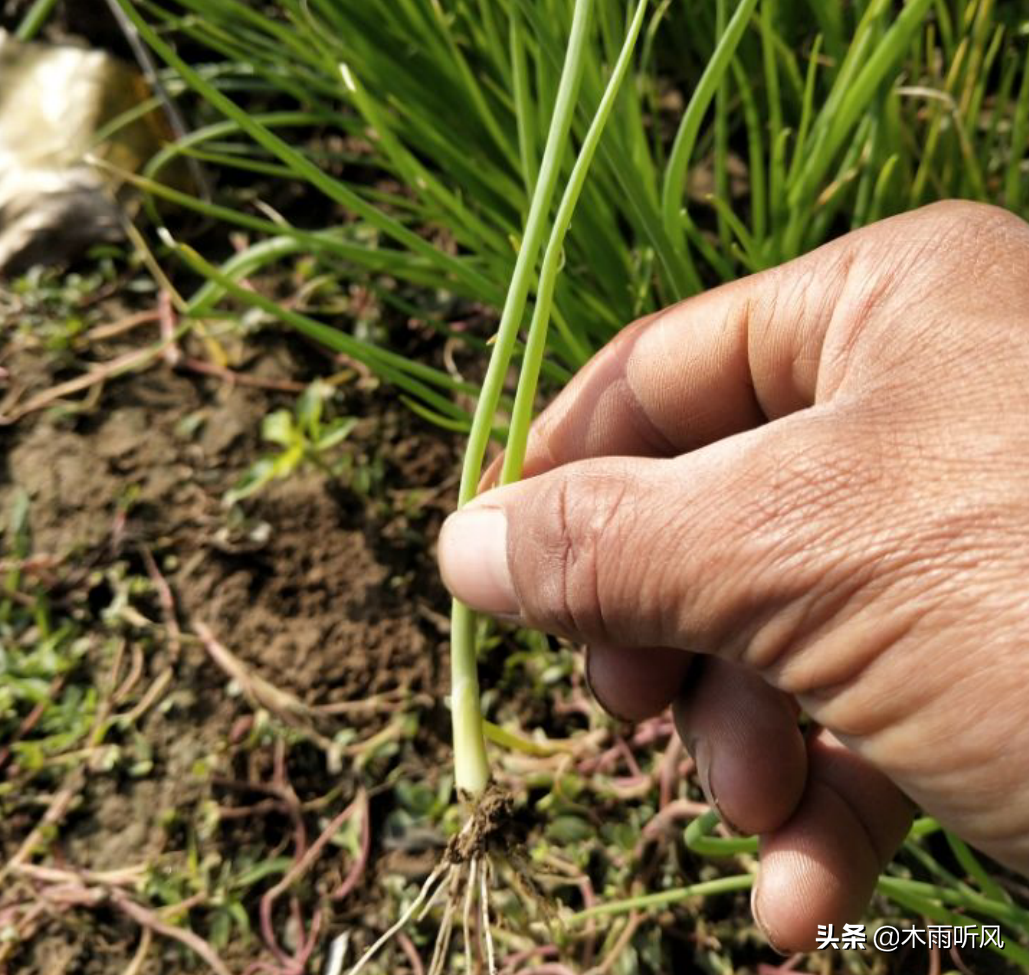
(737, 548)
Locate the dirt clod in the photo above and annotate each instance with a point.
(492, 827)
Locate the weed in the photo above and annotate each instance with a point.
(304, 435)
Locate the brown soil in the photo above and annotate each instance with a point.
(315, 586)
(327, 594)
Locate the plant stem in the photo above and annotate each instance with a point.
(707, 888)
(678, 161)
(698, 838)
(471, 766)
(920, 898)
(535, 346)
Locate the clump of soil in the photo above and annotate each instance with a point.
(492, 827)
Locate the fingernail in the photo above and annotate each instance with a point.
(701, 752)
(473, 560)
(769, 937)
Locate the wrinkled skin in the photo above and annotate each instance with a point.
(806, 489)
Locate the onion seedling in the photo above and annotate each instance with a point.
(467, 865)
(471, 764)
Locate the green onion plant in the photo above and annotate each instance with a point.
(423, 126)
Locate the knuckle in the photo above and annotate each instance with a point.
(968, 213)
(944, 284)
(976, 239)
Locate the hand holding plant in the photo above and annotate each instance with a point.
(814, 479)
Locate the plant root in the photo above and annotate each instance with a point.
(463, 877)
(487, 931)
(423, 895)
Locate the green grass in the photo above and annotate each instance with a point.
(420, 128)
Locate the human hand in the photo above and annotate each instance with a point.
(817, 478)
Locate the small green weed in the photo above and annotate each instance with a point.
(304, 436)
